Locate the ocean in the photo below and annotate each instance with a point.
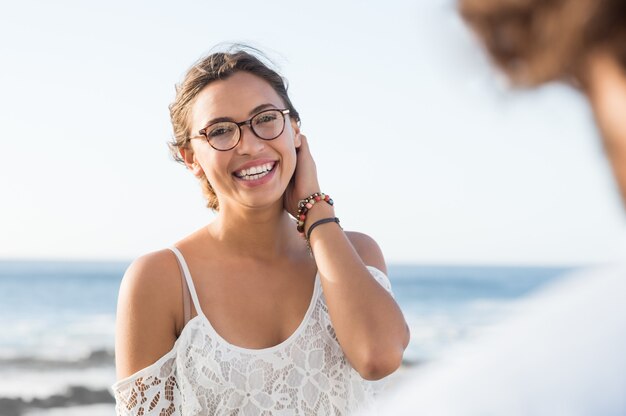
(58, 324)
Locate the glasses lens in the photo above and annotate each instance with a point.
(223, 136)
(269, 124)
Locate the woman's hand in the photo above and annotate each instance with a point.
(304, 180)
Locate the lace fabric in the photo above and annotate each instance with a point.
(307, 374)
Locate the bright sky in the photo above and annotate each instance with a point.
(417, 142)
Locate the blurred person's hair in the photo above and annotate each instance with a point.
(536, 41)
(213, 67)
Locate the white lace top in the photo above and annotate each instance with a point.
(203, 374)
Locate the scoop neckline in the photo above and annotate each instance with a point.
(289, 339)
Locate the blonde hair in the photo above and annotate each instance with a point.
(218, 66)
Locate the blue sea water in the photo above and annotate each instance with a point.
(58, 318)
(57, 309)
(447, 304)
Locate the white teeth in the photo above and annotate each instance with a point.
(255, 172)
(254, 177)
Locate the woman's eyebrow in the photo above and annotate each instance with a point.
(217, 120)
(252, 112)
(261, 108)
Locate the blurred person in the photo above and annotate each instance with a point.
(563, 351)
(580, 42)
(254, 313)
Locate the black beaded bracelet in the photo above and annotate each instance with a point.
(320, 222)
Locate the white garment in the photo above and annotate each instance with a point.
(203, 374)
(561, 353)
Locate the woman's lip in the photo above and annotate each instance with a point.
(260, 181)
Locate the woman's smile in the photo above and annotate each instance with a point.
(256, 173)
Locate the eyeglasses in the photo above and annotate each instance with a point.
(225, 135)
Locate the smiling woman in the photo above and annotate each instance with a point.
(271, 308)
(212, 68)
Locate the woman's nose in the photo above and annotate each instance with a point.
(249, 143)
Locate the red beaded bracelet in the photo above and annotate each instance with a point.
(304, 205)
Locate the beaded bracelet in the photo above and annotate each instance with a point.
(304, 205)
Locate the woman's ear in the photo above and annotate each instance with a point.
(191, 162)
(295, 127)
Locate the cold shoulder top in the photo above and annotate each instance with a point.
(203, 374)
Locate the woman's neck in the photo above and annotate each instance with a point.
(262, 233)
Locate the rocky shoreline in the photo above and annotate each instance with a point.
(97, 358)
(74, 396)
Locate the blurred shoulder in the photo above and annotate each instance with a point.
(368, 249)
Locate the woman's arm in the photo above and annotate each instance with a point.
(146, 321)
(368, 322)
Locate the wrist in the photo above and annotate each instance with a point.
(318, 212)
(315, 224)
(305, 205)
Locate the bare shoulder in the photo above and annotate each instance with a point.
(145, 327)
(368, 250)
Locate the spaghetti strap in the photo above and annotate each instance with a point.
(186, 295)
(187, 275)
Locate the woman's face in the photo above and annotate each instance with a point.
(238, 175)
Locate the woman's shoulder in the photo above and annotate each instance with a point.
(147, 311)
(150, 283)
(152, 271)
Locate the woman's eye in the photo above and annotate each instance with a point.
(265, 118)
(220, 131)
